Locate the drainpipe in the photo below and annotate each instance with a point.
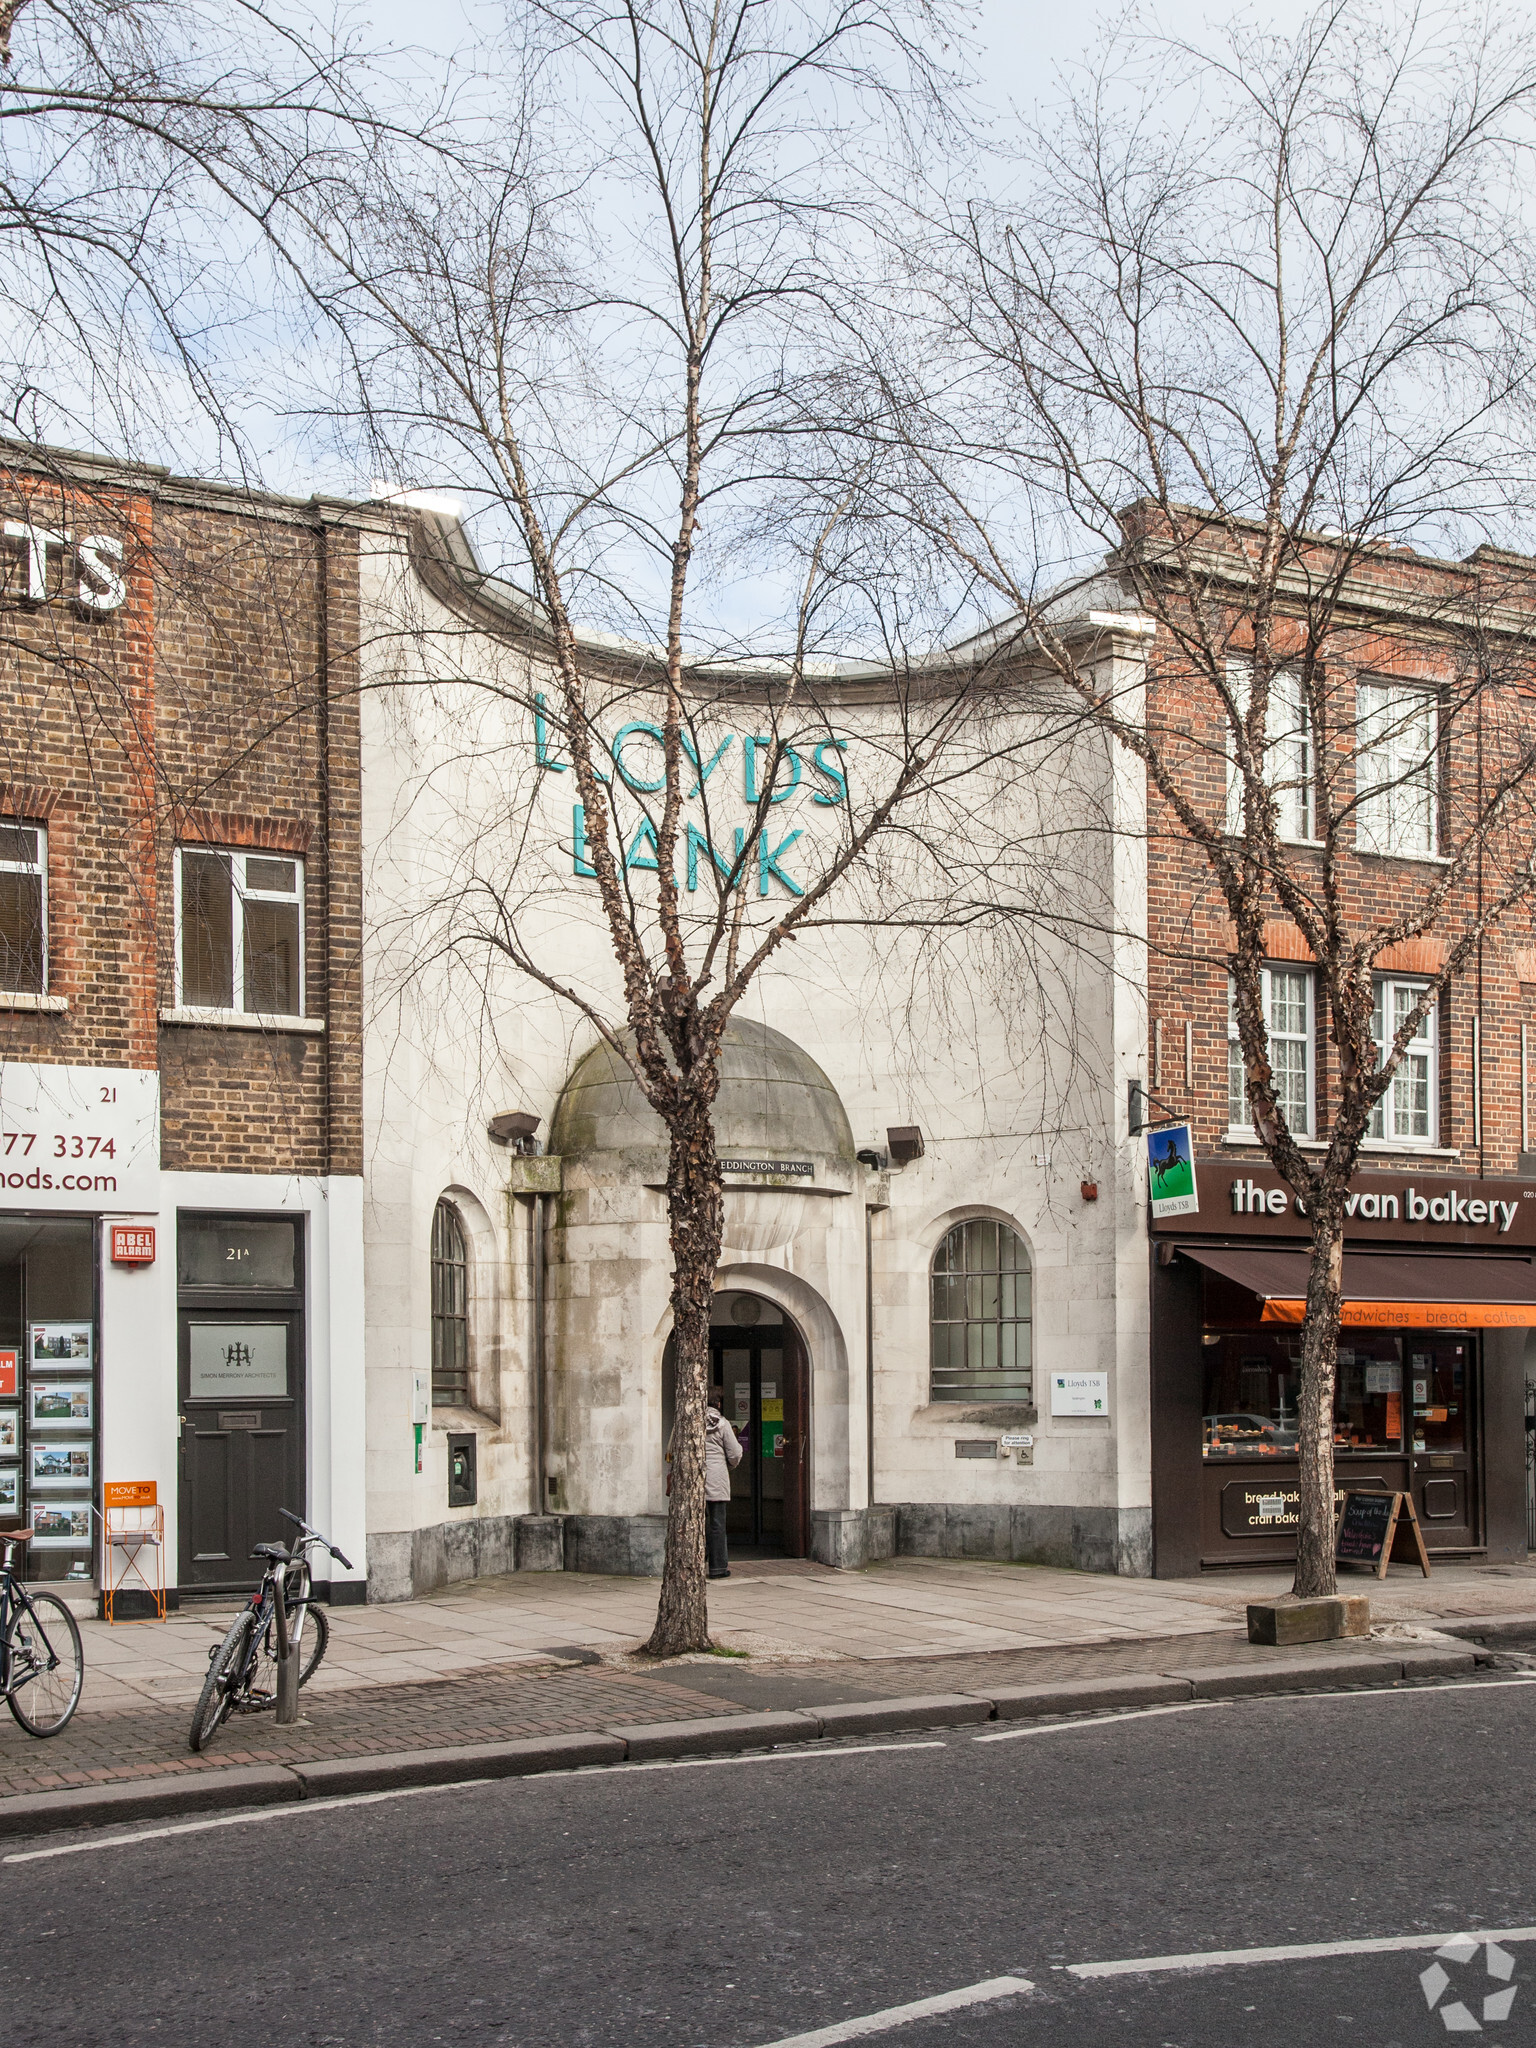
(882, 1200)
(869, 1345)
(540, 1439)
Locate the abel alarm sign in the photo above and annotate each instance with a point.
(79, 1138)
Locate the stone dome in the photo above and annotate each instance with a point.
(774, 1103)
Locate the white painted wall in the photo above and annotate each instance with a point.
(1013, 1064)
(138, 1375)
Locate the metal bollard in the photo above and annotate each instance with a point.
(287, 1665)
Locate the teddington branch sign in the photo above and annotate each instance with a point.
(636, 754)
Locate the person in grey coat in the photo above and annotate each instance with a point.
(722, 1451)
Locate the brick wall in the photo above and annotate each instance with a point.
(217, 705)
(1408, 619)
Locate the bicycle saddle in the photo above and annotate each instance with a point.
(275, 1551)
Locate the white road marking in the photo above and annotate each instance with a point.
(986, 1993)
(293, 1810)
(1088, 1719)
(1092, 1720)
(297, 1809)
(1291, 1952)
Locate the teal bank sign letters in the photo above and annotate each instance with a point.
(636, 751)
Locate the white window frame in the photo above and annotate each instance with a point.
(1244, 1132)
(39, 868)
(1425, 1047)
(237, 857)
(1288, 754)
(1397, 754)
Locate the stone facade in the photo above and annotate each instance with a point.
(569, 1281)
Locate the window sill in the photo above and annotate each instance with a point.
(1377, 1147)
(1251, 1137)
(19, 999)
(1429, 860)
(244, 1020)
(1001, 1414)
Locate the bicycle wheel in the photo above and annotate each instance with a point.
(313, 1641)
(226, 1671)
(46, 1664)
(313, 1628)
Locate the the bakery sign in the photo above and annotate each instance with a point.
(1394, 1208)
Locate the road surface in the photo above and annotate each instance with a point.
(985, 1877)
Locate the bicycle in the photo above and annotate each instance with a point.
(242, 1670)
(39, 1650)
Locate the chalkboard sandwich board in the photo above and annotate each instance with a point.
(1369, 1526)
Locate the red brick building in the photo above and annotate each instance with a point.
(1425, 671)
(180, 1012)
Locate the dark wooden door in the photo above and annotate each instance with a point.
(242, 1447)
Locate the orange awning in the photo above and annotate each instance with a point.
(1388, 1290)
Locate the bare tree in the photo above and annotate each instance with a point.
(632, 363)
(1263, 321)
(152, 153)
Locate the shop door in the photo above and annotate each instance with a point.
(241, 1440)
(1441, 1371)
(762, 1380)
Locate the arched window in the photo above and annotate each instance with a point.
(981, 1315)
(450, 1309)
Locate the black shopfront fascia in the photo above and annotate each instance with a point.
(1231, 1509)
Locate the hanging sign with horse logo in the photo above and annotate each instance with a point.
(1171, 1171)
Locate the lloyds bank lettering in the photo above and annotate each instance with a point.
(818, 772)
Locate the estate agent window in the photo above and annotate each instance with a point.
(1406, 1113)
(240, 932)
(1395, 770)
(1287, 763)
(450, 1309)
(23, 908)
(1288, 1012)
(981, 1315)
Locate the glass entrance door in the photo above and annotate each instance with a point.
(748, 1376)
(1440, 1370)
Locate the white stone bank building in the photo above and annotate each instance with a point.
(931, 1309)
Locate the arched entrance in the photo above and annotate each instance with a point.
(760, 1371)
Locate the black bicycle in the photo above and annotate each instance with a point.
(242, 1670)
(42, 1666)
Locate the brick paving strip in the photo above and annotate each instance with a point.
(524, 1717)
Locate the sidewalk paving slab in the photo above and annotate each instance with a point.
(1288, 1673)
(1085, 1695)
(148, 1799)
(341, 1775)
(716, 1737)
(930, 1710)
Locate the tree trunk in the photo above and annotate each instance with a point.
(695, 1214)
(1316, 1572)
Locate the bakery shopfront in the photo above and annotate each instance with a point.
(1439, 1294)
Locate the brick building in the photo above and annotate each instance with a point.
(1426, 672)
(180, 1014)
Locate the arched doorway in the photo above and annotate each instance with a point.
(760, 1371)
